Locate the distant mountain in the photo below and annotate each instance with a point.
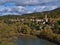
(53, 14)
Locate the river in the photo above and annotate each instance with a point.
(33, 41)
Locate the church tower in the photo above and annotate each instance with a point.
(46, 18)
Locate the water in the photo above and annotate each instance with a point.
(33, 41)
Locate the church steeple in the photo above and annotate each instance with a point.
(46, 18)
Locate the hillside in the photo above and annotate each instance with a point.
(53, 13)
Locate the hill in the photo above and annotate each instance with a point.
(53, 13)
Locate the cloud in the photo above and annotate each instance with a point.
(25, 9)
(27, 6)
(27, 2)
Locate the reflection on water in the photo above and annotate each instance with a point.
(33, 41)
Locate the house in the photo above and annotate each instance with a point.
(22, 19)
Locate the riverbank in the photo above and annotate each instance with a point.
(48, 39)
(44, 34)
(42, 37)
(53, 38)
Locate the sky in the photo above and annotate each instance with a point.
(27, 6)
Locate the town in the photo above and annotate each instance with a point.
(41, 22)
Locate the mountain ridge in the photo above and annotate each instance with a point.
(54, 14)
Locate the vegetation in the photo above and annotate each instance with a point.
(11, 30)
